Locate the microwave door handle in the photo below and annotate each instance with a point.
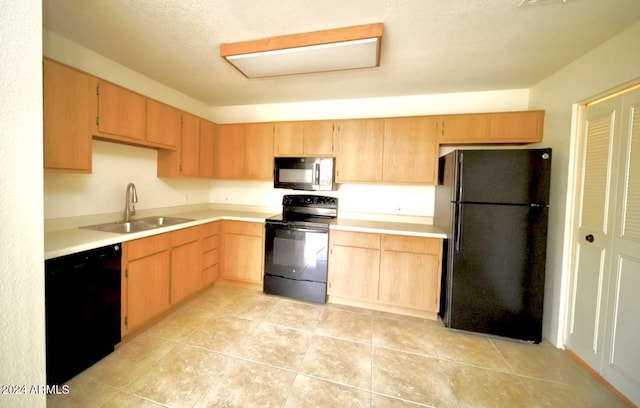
(317, 174)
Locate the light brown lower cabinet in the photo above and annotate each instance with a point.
(145, 284)
(386, 272)
(243, 249)
(163, 270)
(410, 272)
(354, 265)
(186, 263)
(210, 252)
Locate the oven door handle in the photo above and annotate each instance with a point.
(285, 225)
(308, 230)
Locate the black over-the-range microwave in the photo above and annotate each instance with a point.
(304, 173)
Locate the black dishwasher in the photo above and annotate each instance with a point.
(82, 310)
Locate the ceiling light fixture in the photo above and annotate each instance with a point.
(319, 51)
(526, 3)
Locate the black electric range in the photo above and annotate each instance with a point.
(296, 247)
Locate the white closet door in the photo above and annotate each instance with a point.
(592, 239)
(622, 339)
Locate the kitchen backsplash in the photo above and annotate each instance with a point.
(115, 165)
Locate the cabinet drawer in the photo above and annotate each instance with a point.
(210, 258)
(183, 236)
(211, 228)
(243, 228)
(418, 245)
(211, 274)
(211, 243)
(147, 246)
(355, 239)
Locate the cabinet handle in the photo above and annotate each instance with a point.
(589, 238)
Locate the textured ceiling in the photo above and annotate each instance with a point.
(429, 46)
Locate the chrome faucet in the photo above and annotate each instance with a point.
(131, 196)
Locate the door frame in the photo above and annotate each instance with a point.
(576, 154)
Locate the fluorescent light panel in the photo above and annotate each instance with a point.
(526, 3)
(323, 51)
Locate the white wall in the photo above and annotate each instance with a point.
(613, 64)
(22, 347)
(463, 102)
(103, 191)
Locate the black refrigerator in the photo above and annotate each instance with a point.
(493, 204)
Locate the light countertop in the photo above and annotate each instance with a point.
(65, 237)
(387, 227)
(62, 241)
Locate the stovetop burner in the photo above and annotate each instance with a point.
(306, 209)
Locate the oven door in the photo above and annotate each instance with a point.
(296, 252)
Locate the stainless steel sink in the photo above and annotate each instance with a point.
(141, 224)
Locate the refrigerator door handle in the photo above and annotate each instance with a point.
(457, 239)
(460, 178)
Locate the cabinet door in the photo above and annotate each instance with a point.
(359, 153)
(410, 150)
(186, 270)
(288, 139)
(243, 251)
(318, 138)
(516, 127)
(147, 288)
(207, 143)
(190, 146)
(410, 272)
(121, 113)
(229, 152)
(258, 151)
(503, 127)
(164, 124)
(409, 279)
(68, 115)
(353, 272)
(471, 128)
(242, 260)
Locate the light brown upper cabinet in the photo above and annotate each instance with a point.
(229, 151)
(164, 124)
(516, 127)
(318, 138)
(207, 146)
(410, 152)
(288, 139)
(194, 157)
(190, 146)
(244, 151)
(184, 162)
(310, 138)
(359, 151)
(121, 114)
(69, 112)
(258, 151)
(502, 127)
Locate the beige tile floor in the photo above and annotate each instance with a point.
(233, 347)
